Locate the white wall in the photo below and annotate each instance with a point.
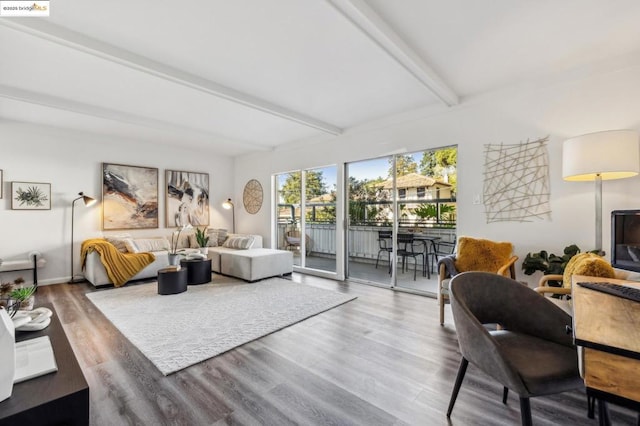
(583, 105)
(72, 162)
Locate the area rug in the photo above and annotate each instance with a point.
(177, 331)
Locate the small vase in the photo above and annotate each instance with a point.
(27, 304)
(174, 259)
(204, 250)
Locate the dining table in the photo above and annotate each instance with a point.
(429, 244)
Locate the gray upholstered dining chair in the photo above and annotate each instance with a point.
(530, 352)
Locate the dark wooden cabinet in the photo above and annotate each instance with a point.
(60, 398)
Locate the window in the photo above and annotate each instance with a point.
(421, 190)
(402, 193)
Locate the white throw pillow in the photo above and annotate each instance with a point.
(130, 245)
(187, 240)
(238, 242)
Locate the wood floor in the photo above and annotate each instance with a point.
(381, 359)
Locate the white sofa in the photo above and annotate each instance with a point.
(96, 274)
(252, 264)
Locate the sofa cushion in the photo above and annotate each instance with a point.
(213, 238)
(186, 239)
(239, 242)
(130, 245)
(222, 235)
(142, 245)
(119, 241)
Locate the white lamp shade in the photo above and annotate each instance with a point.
(612, 154)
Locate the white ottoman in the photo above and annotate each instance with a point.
(256, 264)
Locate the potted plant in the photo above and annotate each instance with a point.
(6, 300)
(203, 240)
(549, 263)
(24, 297)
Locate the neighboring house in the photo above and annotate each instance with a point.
(414, 186)
(413, 190)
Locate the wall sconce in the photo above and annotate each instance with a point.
(608, 155)
(87, 202)
(229, 205)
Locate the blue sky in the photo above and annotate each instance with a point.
(361, 170)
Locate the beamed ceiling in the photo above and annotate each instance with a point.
(249, 75)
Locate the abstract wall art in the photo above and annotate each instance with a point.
(187, 198)
(129, 197)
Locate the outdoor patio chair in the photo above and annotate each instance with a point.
(443, 248)
(385, 245)
(409, 247)
(293, 240)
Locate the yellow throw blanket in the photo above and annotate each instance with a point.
(120, 266)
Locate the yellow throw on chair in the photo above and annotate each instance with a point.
(589, 264)
(473, 254)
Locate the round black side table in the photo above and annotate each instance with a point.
(171, 281)
(198, 271)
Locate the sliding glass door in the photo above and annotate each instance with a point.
(370, 222)
(399, 208)
(306, 224)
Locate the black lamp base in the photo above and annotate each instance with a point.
(74, 280)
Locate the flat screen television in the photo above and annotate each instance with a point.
(625, 239)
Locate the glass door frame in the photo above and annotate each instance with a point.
(339, 237)
(391, 284)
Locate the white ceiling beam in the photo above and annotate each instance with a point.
(30, 97)
(374, 27)
(57, 34)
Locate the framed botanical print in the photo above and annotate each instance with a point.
(186, 198)
(30, 196)
(129, 197)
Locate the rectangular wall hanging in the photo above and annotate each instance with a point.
(1, 184)
(30, 196)
(187, 198)
(129, 197)
(516, 182)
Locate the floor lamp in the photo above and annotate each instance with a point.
(608, 155)
(87, 202)
(229, 205)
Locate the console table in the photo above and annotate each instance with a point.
(608, 328)
(32, 263)
(53, 399)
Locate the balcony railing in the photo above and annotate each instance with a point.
(363, 240)
(366, 219)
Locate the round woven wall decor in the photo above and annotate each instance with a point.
(252, 196)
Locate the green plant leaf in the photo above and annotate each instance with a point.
(22, 293)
